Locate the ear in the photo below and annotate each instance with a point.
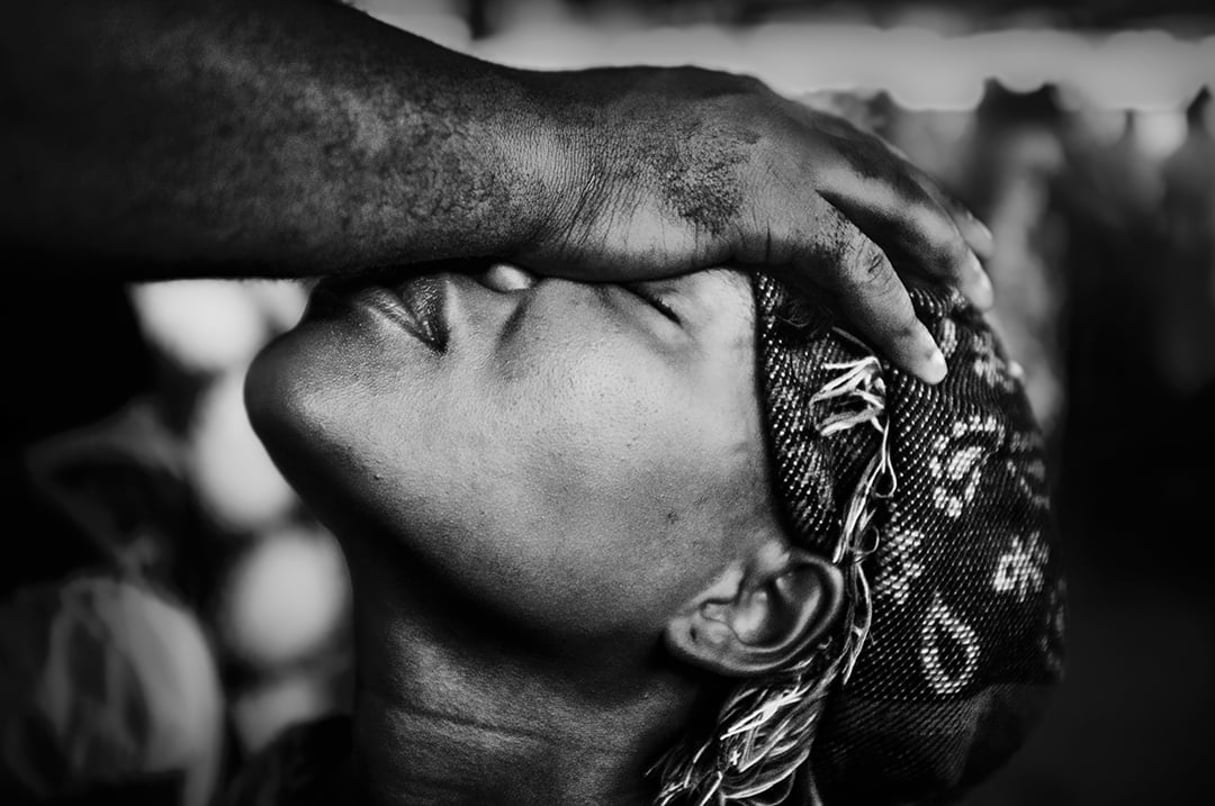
(760, 613)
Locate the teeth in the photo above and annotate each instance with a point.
(506, 278)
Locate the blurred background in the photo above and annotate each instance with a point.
(1080, 132)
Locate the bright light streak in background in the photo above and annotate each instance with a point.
(1151, 71)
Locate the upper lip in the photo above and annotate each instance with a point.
(416, 302)
(425, 297)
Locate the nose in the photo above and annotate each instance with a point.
(506, 278)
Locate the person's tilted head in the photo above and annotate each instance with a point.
(694, 518)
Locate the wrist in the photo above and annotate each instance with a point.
(548, 144)
(581, 142)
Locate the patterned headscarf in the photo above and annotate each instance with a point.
(933, 501)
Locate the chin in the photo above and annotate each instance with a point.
(289, 400)
(306, 403)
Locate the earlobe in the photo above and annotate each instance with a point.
(759, 615)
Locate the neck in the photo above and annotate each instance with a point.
(448, 715)
(408, 754)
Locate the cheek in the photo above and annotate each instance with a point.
(622, 466)
(598, 428)
(581, 492)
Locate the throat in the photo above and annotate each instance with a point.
(453, 708)
(411, 754)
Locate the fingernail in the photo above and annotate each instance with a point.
(936, 366)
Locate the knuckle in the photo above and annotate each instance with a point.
(871, 267)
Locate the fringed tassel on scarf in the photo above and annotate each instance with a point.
(765, 731)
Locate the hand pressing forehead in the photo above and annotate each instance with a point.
(663, 171)
(284, 139)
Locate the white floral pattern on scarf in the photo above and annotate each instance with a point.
(957, 459)
(1021, 570)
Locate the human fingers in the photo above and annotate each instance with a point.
(912, 228)
(897, 205)
(838, 257)
(976, 234)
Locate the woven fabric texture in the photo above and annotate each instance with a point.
(965, 644)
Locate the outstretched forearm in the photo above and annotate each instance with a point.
(170, 138)
(146, 138)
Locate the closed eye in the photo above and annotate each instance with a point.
(654, 301)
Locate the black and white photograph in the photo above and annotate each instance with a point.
(607, 402)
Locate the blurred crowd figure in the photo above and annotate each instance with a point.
(163, 529)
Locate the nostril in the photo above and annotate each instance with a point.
(505, 277)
